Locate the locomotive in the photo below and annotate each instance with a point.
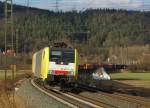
(56, 65)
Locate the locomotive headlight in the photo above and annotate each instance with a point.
(50, 71)
(70, 72)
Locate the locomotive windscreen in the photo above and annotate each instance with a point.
(62, 55)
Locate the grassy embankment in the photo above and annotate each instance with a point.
(137, 79)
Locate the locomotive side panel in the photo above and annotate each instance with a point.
(45, 63)
(38, 63)
(76, 65)
(33, 63)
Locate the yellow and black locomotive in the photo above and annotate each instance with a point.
(56, 64)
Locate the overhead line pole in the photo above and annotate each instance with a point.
(9, 22)
(28, 3)
(25, 31)
(57, 6)
(17, 42)
(9, 26)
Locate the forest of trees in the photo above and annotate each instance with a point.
(92, 29)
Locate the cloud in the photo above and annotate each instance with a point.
(124, 4)
(137, 4)
(119, 1)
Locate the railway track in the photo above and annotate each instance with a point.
(138, 100)
(94, 101)
(123, 97)
(70, 99)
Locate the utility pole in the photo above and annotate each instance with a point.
(56, 7)
(28, 3)
(8, 28)
(16, 42)
(9, 23)
(25, 31)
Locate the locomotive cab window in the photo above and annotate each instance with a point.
(55, 55)
(66, 56)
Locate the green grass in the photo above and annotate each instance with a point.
(134, 79)
(130, 76)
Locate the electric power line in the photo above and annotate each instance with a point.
(91, 2)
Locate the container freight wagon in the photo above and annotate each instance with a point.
(56, 65)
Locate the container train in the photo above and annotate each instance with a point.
(56, 65)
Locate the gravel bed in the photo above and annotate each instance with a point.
(111, 101)
(35, 99)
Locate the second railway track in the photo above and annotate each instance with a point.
(140, 101)
(82, 101)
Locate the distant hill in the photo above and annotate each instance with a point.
(98, 28)
(19, 8)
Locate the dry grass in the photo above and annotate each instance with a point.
(7, 99)
(130, 76)
(20, 103)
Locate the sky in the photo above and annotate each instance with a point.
(81, 5)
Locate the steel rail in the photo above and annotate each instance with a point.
(53, 96)
(91, 100)
(68, 99)
(86, 100)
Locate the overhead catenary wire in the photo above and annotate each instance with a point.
(91, 2)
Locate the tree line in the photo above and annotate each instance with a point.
(93, 29)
